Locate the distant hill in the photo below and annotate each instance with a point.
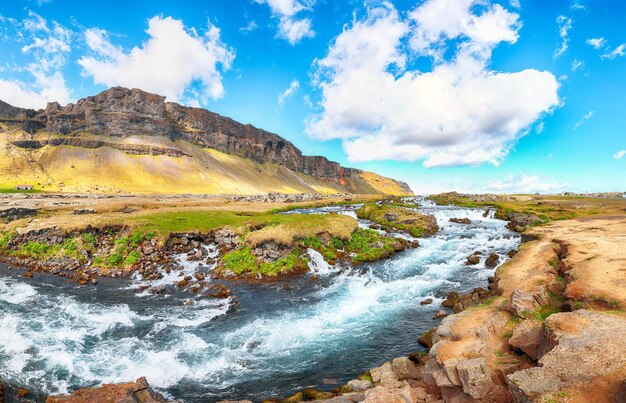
(129, 140)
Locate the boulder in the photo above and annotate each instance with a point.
(426, 340)
(387, 394)
(492, 260)
(406, 369)
(384, 373)
(138, 391)
(440, 314)
(527, 337)
(427, 301)
(358, 385)
(475, 377)
(460, 220)
(472, 260)
(523, 304)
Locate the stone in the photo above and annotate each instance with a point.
(460, 220)
(580, 347)
(440, 314)
(405, 368)
(472, 260)
(427, 301)
(492, 260)
(360, 385)
(527, 337)
(426, 339)
(475, 377)
(383, 394)
(523, 304)
(384, 373)
(138, 391)
(512, 253)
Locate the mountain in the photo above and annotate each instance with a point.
(130, 140)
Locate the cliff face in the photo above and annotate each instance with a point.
(122, 112)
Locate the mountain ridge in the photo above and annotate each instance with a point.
(118, 115)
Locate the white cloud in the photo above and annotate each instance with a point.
(585, 118)
(565, 25)
(251, 26)
(48, 44)
(576, 64)
(618, 155)
(168, 63)
(597, 43)
(290, 26)
(515, 3)
(617, 52)
(602, 45)
(539, 127)
(459, 113)
(525, 184)
(288, 93)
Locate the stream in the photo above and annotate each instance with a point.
(266, 340)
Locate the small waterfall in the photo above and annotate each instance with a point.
(317, 264)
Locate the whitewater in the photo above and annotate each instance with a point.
(266, 340)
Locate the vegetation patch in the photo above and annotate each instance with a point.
(399, 218)
(243, 261)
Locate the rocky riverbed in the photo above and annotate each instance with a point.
(264, 339)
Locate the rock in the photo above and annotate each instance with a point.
(391, 217)
(579, 348)
(527, 337)
(461, 220)
(472, 260)
(295, 398)
(475, 377)
(22, 393)
(512, 253)
(440, 314)
(523, 304)
(360, 385)
(426, 339)
(84, 211)
(492, 260)
(138, 391)
(28, 274)
(383, 394)
(451, 300)
(384, 373)
(427, 301)
(405, 368)
(235, 401)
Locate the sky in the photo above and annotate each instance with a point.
(470, 95)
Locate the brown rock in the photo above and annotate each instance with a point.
(527, 337)
(475, 377)
(405, 368)
(460, 220)
(492, 260)
(472, 260)
(138, 391)
(384, 373)
(427, 301)
(426, 339)
(21, 392)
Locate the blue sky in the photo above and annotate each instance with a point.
(461, 95)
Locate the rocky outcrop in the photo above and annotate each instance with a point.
(134, 149)
(122, 112)
(134, 392)
(16, 213)
(577, 348)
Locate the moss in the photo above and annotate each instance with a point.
(5, 238)
(242, 261)
(132, 258)
(115, 259)
(89, 239)
(404, 219)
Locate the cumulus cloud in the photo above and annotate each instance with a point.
(565, 25)
(459, 113)
(168, 63)
(251, 26)
(618, 155)
(288, 93)
(48, 44)
(585, 118)
(291, 27)
(525, 184)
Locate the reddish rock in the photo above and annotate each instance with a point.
(138, 391)
(527, 337)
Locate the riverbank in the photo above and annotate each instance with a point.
(550, 330)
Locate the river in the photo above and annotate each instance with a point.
(266, 340)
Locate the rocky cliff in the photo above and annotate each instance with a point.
(121, 113)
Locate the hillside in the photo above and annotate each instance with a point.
(124, 140)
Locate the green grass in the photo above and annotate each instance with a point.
(5, 238)
(132, 258)
(242, 261)
(410, 221)
(13, 190)
(188, 221)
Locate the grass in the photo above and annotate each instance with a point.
(242, 261)
(405, 219)
(13, 190)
